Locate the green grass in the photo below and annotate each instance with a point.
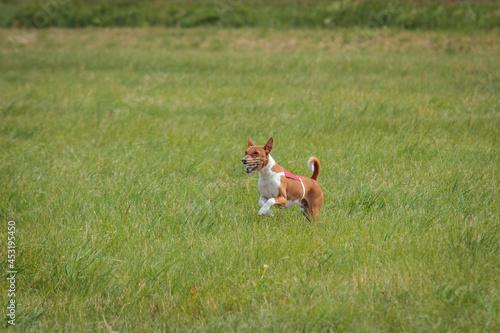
(119, 162)
(463, 15)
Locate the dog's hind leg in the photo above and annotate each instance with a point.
(316, 209)
(304, 208)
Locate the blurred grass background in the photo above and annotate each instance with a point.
(119, 161)
(458, 15)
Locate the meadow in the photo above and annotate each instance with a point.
(120, 164)
(463, 15)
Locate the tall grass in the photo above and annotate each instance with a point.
(468, 15)
(119, 162)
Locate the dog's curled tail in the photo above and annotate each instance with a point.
(313, 165)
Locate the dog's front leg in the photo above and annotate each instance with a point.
(266, 206)
(280, 202)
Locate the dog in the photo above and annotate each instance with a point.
(280, 188)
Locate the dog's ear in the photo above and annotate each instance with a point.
(250, 142)
(269, 145)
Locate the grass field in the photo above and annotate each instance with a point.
(119, 163)
(463, 15)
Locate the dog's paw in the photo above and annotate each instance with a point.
(267, 212)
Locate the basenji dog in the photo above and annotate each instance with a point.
(280, 188)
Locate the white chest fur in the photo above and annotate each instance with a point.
(269, 187)
(269, 181)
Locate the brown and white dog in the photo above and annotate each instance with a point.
(278, 187)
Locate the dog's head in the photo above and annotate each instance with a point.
(256, 157)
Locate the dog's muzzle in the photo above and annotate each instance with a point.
(251, 166)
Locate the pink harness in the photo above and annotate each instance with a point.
(292, 176)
